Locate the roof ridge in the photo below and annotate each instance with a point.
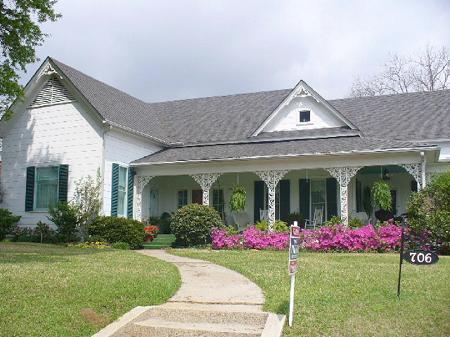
(96, 80)
(219, 96)
(389, 95)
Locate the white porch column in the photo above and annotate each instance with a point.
(343, 175)
(416, 170)
(205, 180)
(139, 183)
(271, 179)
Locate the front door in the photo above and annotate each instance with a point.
(154, 203)
(197, 196)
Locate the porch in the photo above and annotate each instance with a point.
(279, 188)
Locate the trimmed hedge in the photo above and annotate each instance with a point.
(114, 229)
(192, 224)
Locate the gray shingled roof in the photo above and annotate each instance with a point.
(409, 118)
(114, 105)
(414, 116)
(279, 148)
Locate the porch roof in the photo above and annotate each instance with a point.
(276, 149)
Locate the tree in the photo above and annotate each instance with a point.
(427, 71)
(429, 212)
(87, 202)
(20, 34)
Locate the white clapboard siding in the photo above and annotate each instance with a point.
(44, 136)
(122, 148)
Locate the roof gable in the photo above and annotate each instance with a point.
(52, 92)
(117, 108)
(304, 98)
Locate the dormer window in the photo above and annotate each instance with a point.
(305, 116)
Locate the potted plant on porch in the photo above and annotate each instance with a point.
(238, 201)
(382, 196)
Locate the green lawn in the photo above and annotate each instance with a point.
(347, 294)
(49, 290)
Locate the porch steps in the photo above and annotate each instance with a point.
(198, 321)
(160, 242)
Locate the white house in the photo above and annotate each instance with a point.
(292, 150)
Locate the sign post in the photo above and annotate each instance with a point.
(402, 242)
(294, 241)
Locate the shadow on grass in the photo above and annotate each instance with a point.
(283, 308)
(11, 253)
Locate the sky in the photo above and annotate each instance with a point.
(176, 49)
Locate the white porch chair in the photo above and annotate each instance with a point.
(241, 220)
(316, 221)
(263, 214)
(361, 216)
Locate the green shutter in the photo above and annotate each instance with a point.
(285, 199)
(259, 199)
(304, 196)
(130, 193)
(63, 180)
(114, 189)
(29, 190)
(331, 198)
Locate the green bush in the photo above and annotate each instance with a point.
(120, 245)
(41, 233)
(334, 220)
(115, 229)
(192, 224)
(295, 217)
(232, 229)
(278, 226)
(429, 210)
(7, 222)
(163, 222)
(64, 216)
(356, 223)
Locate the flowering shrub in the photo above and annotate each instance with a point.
(332, 238)
(151, 232)
(251, 238)
(93, 244)
(341, 238)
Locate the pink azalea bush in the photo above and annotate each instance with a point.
(332, 238)
(251, 238)
(341, 238)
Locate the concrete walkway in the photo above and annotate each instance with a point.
(207, 283)
(212, 301)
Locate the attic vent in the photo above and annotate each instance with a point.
(53, 92)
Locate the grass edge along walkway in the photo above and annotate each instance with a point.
(53, 291)
(342, 294)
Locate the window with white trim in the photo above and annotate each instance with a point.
(122, 192)
(304, 116)
(182, 198)
(46, 190)
(219, 202)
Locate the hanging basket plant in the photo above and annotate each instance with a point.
(382, 195)
(238, 199)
